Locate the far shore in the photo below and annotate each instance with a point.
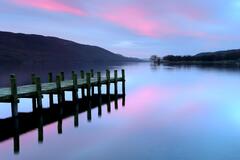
(232, 62)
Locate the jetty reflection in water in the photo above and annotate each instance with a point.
(25, 122)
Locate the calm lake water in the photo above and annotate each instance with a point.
(170, 113)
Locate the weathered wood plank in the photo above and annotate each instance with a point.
(50, 87)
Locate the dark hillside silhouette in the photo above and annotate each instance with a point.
(229, 55)
(27, 50)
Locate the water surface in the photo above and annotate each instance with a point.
(171, 113)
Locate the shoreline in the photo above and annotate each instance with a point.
(235, 63)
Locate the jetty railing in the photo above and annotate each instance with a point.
(86, 82)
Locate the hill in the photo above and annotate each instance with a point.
(233, 52)
(219, 56)
(37, 50)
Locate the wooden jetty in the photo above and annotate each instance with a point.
(86, 82)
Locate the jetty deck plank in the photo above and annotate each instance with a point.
(29, 90)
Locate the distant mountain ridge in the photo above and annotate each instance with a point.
(30, 49)
(228, 56)
(220, 53)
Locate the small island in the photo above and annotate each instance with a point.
(228, 57)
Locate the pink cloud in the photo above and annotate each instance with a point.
(190, 11)
(141, 20)
(138, 20)
(51, 5)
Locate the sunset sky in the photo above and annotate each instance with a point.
(130, 27)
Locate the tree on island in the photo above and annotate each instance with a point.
(155, 59)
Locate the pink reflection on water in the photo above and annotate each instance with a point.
(158, 105)
(141, 99)
(138, 104)
(142, 106)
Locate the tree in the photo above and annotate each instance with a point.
(155, 59)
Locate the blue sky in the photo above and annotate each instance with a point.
(137, 28)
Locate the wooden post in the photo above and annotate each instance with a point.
(123, 87)
(40, 126)
(76, 115)
(115, 82)
(92, 76)
(92, 73)
(60, 119)
(39, 92)
(108, 91)
(99, 106)
(59, 89)
(99, 94)
(99, 83)
(62, 79)
(62, 76)
(50, 79)
(34, 102)
(116, 88)
(116, 101)
(108, 104)
(14, 96)
(92, 89)
(73, 72)
(60, 126)
(123, 82)
(108, 82)
(89, 111)
(16, 144)
(88, 84)
(123, 100)
(33, 78)
(16, 140)
(82, 75)
(75, 87)
(83, 91)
